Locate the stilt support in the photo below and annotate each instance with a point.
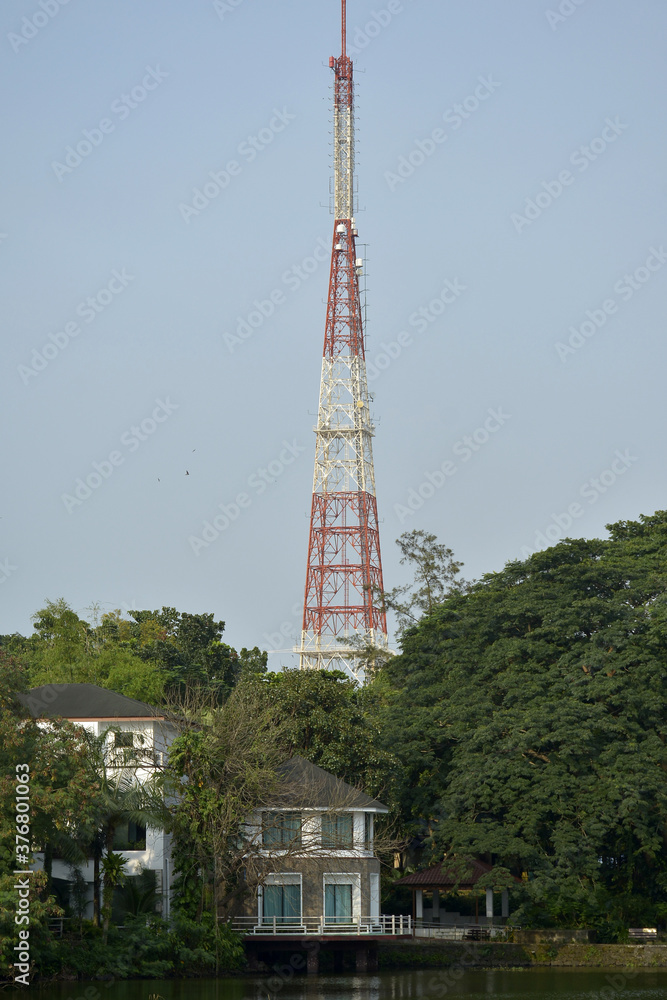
(362, 959)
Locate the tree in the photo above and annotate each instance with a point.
(537, 730)
(330, 720)
(222, 770)
(61, 629)
(435, 572)
(62, 802)
(62, 797)
(113, 870)
(187, 649)
(152, 655)
(65, 649)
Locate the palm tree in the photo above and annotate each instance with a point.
(139, 895)
(113, 868)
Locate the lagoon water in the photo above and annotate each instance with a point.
(530, 984)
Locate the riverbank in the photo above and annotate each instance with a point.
(606, 956)
(488, 955)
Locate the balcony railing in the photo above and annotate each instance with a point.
(393, 926)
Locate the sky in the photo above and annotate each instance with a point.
(164, 240)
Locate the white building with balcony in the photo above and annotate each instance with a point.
(135, 732)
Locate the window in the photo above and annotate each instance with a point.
(338, 831)
(368, 831)
(282, 902)
(129, 837)
(338, 904)
(121, 749)
(281, 829)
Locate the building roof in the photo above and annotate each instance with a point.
(84, 701)
(311, 787)
(449, 874)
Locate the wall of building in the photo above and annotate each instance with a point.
(313, 871)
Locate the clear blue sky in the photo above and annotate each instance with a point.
(484, 107)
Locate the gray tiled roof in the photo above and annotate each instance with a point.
(83, 701)
(307, 785)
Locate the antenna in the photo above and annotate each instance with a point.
(344, 26)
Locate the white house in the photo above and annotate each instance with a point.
(129, 724)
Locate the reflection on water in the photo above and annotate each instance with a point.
(532, 984)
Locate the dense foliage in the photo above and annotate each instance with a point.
(150, 656)
(328, 719)
(529, 716)
(222, 770)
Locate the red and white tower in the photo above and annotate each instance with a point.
(344, 572)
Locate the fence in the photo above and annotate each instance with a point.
(464, 932)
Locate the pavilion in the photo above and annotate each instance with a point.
(453, 875)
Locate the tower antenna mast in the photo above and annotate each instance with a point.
(344, 567)
(344, 26)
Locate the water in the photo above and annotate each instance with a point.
(435, 984)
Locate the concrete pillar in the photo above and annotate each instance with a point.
(362, 959)
(489, 903)
(374, 900)
(436, 906)
(313, 961)
(358, 830)
(419, 905)
(252, 959)
(505, 903)
(372, 958)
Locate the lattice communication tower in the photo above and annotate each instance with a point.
(344, 570)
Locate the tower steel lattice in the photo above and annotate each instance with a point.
(344, 568)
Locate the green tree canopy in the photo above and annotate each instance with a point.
(149, 656)
(435, 572)
(529, 716)
(330, 720)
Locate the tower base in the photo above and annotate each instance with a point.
(356, 655)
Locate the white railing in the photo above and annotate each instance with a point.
(463, 931)
(388, 925)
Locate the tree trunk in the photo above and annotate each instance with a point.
(107, 902)
(48, 866)
(106, 912)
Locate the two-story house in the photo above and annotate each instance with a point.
(134, 731)
(318, 839)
